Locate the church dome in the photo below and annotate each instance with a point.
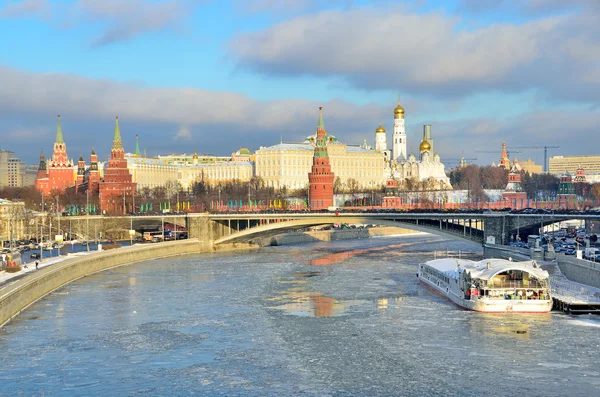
(424, 146)
(399, 111)
(380, 129)
(412, 158)
(436, 157)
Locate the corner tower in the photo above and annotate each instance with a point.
(399, 138)
(320, 179)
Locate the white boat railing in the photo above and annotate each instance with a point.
(572, 290)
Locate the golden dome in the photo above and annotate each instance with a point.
(399, 110)
(380, 129)
(424, 146)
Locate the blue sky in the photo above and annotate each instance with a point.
(219, 75)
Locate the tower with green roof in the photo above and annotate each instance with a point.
(320, 179)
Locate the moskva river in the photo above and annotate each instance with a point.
(325, 319)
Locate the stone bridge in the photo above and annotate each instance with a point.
(247, 227)
(226, 228)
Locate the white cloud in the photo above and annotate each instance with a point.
(119, 20)
(430, 53)
(287, 6)
(37, 8)
(183, 133)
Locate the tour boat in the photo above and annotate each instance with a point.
(489, 285)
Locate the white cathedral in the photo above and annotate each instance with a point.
(400, 165)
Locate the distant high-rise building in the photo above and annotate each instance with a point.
(531, 167)
(12, 170)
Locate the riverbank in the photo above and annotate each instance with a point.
(18, 295)
(331, 235)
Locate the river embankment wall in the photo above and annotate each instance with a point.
(331, 235)
(579, 270)
(19, 295)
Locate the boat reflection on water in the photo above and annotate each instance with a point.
(510, 325)
(314, 304)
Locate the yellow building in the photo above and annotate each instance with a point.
(288, 164)
(215, 173)
(591, 165)
(150, 172)
(531, 167)
(13, 220)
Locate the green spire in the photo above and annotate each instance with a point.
(59, 136)
(117, 137)
(137, 145)
(321, 125)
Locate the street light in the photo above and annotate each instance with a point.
(219, 203)
(87, 218)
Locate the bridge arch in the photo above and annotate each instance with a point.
(272, 229)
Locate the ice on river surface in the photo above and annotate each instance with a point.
(342, 318)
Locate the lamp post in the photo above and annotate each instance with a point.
(219, 203)
(50, 232)
(87, 218)
(58, 221)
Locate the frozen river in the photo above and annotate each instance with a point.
(326, 319)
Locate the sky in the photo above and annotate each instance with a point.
(217, 75)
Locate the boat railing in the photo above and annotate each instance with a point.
(513, 296)
(503, 284)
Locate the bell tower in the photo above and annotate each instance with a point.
(399, 137)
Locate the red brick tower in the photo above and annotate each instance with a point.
(320, 179)
(80, 174)
(93, 174)
(60, 169)
(41, 180)
(504, 160)
(579, 174)
(514, 193)
(117, 190)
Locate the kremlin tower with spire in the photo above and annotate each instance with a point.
(504, 160)
(117, 191)
(59, 169)
(320, 179)
(93, 174)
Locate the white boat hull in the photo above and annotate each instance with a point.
(485, 305)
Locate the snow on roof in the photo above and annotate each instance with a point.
(487, 268)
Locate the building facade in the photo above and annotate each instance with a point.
(12, 170)
(13, 220)
(288, 164)
(531, 167)
(428, 168)
(591, 165)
